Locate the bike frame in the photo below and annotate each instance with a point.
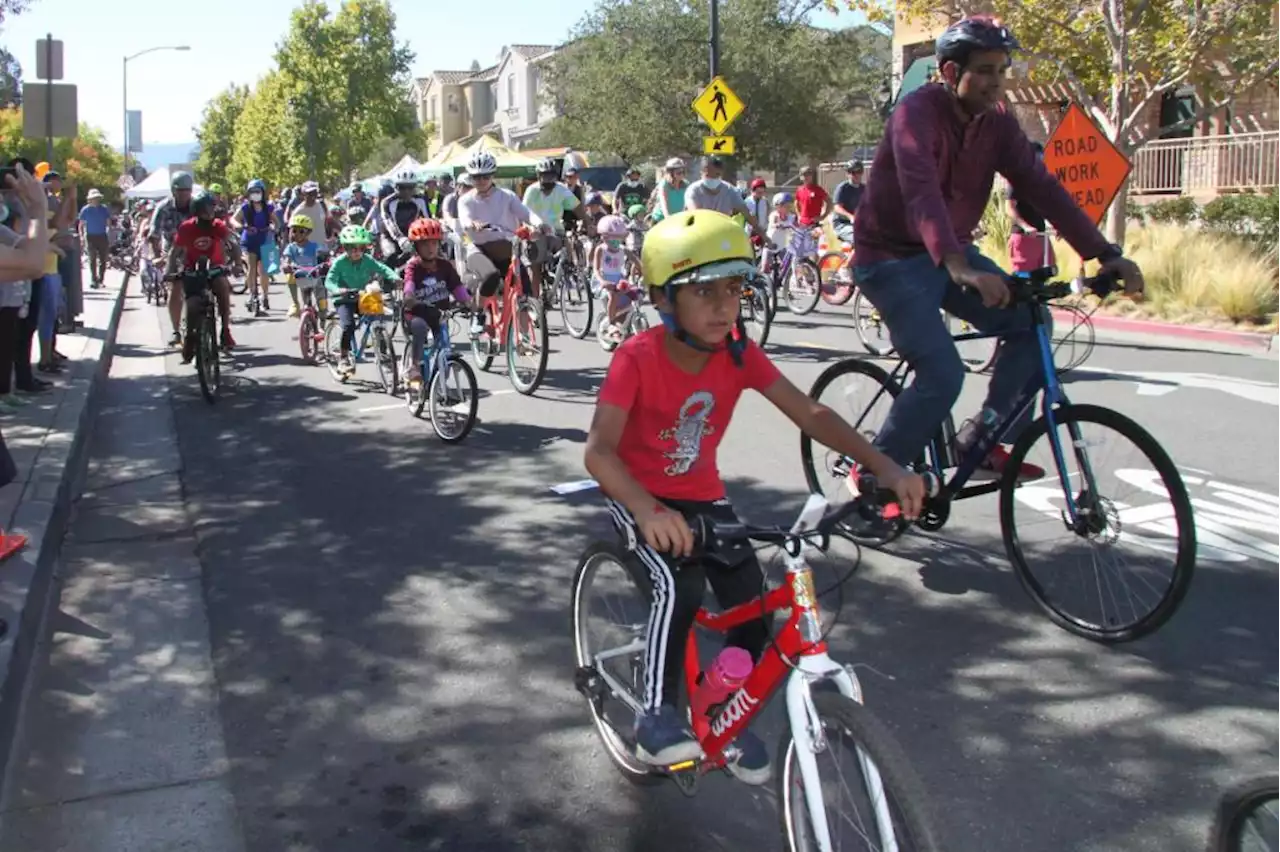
(435, 357)
(503, 317)
(799, 640)
(1046, 381)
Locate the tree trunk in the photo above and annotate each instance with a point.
(1117, 221)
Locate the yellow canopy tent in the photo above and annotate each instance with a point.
(510, 163)
(440, 162)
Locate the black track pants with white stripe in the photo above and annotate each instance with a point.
(677, 595)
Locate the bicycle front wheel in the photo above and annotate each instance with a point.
(576, 305)
(872, 797)
(872, 332)
(453, 400)
(1082, 579)
(384, 354)
(837, 288)
(527, 347)
(804, 287)
(207, 365)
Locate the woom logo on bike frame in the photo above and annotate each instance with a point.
(738, 706)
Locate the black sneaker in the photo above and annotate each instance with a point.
(662, 738)
(752, 766)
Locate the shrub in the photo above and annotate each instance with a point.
(1249, 215)
(1180, 211)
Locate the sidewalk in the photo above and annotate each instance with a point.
(121, 748)
(48, 438)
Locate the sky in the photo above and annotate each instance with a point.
(235, 44)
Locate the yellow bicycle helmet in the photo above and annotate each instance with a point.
(696, 245)
(302, 220)
(693, 246)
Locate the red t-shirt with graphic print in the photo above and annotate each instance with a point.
(199, 241)
(676, 420)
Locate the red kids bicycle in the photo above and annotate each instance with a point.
(513, 322)
(889, 811)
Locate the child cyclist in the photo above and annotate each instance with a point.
(348, 275)
(429, 280)
(609, 268)
(300, 260)
(663, 408)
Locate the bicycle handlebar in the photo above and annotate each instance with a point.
(709, 535)
(1036, 288)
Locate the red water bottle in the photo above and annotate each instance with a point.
(725, 676)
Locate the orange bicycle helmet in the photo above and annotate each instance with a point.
(425, 229)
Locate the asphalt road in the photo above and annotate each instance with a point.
(390, 621)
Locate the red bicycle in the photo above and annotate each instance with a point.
(892, 815)
(514, 322)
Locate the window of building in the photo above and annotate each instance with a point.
(511, 91)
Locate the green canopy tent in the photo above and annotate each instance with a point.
(511, 164)
(922, 71)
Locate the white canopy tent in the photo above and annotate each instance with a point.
(154, 186)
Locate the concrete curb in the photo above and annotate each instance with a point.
(1244, 339)
(43, 518)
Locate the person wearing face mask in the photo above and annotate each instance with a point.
(256, 222)
(549, 201)
(399, 212)
(609, 269)
(712, 193)
(631, 191)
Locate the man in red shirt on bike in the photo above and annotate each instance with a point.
(812, 202)
(198, 238)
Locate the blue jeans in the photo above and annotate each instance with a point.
(346, 310)
(908, 293)
(50, 302)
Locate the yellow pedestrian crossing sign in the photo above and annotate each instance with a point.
(718, 106)
(725, 146)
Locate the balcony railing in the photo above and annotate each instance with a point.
(1207, 165)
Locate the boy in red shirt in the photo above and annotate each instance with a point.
(202, 236)
(812, 202)
(663, 409)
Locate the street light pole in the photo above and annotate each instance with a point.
(714, 40)
(125, 95)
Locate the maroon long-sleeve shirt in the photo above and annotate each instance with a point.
(932, 175)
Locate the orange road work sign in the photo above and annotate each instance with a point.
(1086, 162)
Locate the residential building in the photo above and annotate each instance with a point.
(1234, 149)
(508, 100)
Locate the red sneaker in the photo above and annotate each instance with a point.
(11, 544)
(998, 460)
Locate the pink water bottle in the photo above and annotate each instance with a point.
(723, 679)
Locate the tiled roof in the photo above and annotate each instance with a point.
(530, 51)
(483, 75)
(451, 77)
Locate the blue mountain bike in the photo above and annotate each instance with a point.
(1127, 597)
(448, 388)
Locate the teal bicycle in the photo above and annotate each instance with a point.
(448, 388)
(372, 339)
(1091, 513)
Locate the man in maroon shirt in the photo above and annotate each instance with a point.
(930, 180)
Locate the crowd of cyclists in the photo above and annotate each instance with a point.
(670, 391)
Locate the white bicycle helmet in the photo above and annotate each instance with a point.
(310, 186)
(546, 165)
(674, 163)
(406, 179)
(481, 163)
(464, 180)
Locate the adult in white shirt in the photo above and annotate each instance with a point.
(489, 215)
(548, 200)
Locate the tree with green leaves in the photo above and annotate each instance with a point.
(87, 160)
(1119, 57)
(266, 141)
(348, 81)
(389, 150)
(216, 133)
(626, 81)
(10, 80)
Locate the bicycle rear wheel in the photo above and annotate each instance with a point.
(384, 356)
(607, 571)
(1105, 523)
(756, 315)
(576, 304)
(828, 472)
(891, 797)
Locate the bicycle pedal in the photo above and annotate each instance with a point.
(686, 776)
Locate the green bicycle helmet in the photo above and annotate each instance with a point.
(636, 211)
(354, 235)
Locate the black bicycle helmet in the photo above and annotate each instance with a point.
(203, 201)
(971, 34)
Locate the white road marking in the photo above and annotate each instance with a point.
(502, 392)
(805, 344)
(574, 487)
(386, 407)
(1156, 383)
